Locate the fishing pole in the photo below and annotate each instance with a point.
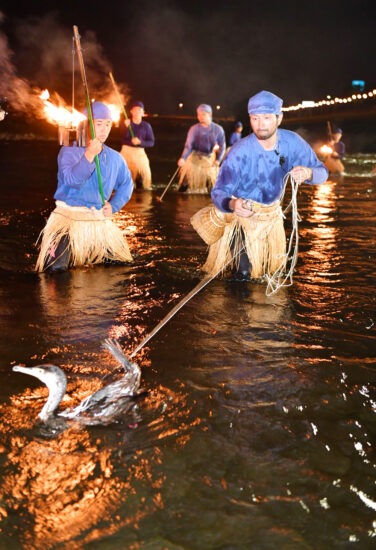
(329, 130)
(168, 185)
(88, 106)
(205, 281)
(121, 102)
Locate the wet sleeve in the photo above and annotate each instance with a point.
(305, 156)
(226, 185)
(123, 187)
(221, 140)
(188, 143)
(74, 167)
(147, 140)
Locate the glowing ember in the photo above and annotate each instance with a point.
(45, 95)
(326, 150)
(59, 115)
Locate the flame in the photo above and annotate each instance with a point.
(57, 114)
(115, 111)
(326, 150)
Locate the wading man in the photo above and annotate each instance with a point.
(137, 135)
(249, 189)
(80, 231)
(204, 149)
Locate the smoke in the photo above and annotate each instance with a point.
(43, 55)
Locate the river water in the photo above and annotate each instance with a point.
(258, 428)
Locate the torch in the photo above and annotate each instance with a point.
(88, 106)
(120, 102)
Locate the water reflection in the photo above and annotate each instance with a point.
(62, 485)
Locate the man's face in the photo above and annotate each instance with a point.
(203, 117)
(137, 112)
(102, 127)
(337, 137)
(265, 126)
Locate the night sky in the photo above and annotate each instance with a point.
(199, 51)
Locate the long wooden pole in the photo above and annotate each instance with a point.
(168, 185)
(120, 102)
(205, 281)
(329, 130)
(88, 105)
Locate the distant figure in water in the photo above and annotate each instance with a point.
(334, 161)
(104, 406)
(236, 134)
(133, 149)
(203, 152)
(247, 196)
(80, 231)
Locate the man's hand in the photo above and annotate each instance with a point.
(181, 162)
(94, 148)
(127, 122)
(107, 209)
(237, 206)
(301, 173)
(136, 141)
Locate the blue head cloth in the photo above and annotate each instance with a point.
(204, 107)
(265, 103)
(239, 125)
(99, 110)
(338, 131)
(137, 103)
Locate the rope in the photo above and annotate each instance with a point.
(274, 282)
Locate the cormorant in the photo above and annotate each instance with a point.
(105, 405)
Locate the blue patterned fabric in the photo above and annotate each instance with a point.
(78, 180)
(204, 107)
(203, 139)
(265, 103)
(235, 136)
(251, 172)
(143, 131)
(99, 110)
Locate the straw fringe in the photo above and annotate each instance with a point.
(92, 237)
(138, 164)
(199, 172)
(264, 239)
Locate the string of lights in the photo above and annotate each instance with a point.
(330, 101)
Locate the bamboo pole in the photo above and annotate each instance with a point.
(168, 185)
(88, 106)
(205, 281)
(120, 102)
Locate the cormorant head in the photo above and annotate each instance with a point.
(45, 373)
(55, 380)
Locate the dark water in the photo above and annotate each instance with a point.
(259, 427)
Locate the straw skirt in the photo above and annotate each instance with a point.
(91, 237)
(263, 236)
(199, 172)
(138, 164)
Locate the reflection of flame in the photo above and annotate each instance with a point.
(59, 114)
(326, 150)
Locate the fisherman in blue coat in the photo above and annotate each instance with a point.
(137, 135)
(236, 134)
(249, 189)
(80, 230)
(203, 152)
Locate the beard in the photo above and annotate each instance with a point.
(265, 134)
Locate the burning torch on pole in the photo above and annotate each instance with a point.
(88, 106)
(121, 105)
